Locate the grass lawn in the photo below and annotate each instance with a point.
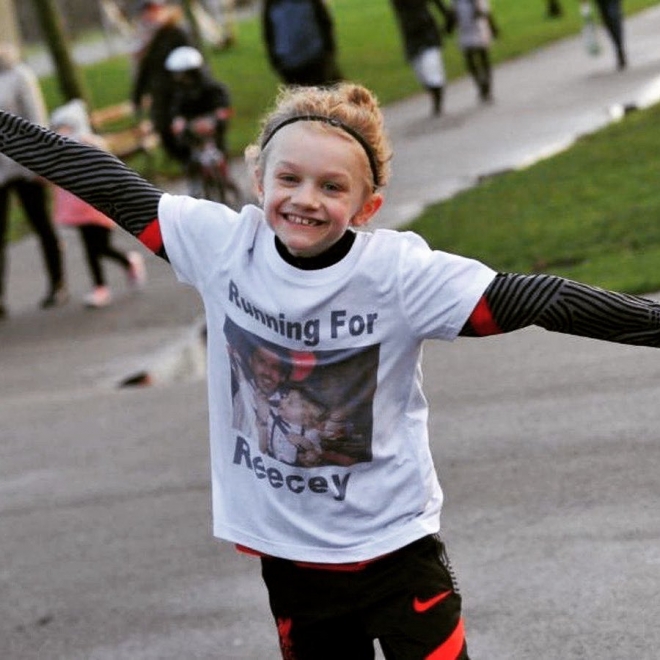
(590, 213)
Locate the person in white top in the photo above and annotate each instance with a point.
(476, 31)
(347, 533)
(20, 94)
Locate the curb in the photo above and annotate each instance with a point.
(181, 361)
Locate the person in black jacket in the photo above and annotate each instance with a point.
(300, 43)
(196, 94)
(162, 32)
(422, 41)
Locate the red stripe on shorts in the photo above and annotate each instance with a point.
(452, 646)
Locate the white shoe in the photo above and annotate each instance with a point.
(99, 297)
(137, 273)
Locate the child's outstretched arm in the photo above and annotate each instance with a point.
(515, 301)
(97, 177)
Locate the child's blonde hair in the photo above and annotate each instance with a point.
(345, 106)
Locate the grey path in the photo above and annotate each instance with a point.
(540, 108)
(547, 446)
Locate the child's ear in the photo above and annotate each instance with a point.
(258, 185)
(368, 210)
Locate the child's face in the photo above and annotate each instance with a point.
(314, 186)
(292, 407)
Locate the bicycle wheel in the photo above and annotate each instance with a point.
(219, 187)
(214, 187)
(233, 196)
(195, 179)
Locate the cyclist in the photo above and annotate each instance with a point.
(200, 105)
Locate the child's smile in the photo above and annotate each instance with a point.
(299, 220)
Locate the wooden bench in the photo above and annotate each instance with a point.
(124, 140)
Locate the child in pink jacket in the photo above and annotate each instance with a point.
(95, 228)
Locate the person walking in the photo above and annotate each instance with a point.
(476, 30)
(95, 227)
(612, 18)
(20, 94)
(161, 31)
(196, 94)
(350, 551)
(300, 41)
(422, 42)
(223, 15)
(554, 9)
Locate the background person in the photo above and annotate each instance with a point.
(476, 30)
(422, 41)
(300, 41)
(161, 30)
(196, 94)
(20, 94)
(95, 228)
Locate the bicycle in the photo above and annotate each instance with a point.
(207, 169)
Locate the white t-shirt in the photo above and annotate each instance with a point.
(473, 31)
(348, 338)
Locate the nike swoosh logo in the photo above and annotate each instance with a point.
(421, 606)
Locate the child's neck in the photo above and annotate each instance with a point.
(330, 257)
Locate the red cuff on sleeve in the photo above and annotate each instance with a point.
(151, 237)
(482, 320)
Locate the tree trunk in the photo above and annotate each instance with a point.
(71, 82)
(8, 24)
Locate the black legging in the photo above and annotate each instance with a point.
(32, 195)
(477, 61)
(610, 12)
(97, 244)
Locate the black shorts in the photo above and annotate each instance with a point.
(407, 600)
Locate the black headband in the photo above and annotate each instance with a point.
(332, 122)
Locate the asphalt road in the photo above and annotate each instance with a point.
(547, 447)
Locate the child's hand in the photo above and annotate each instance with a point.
(296, 439)
(308, 453)
(146, 127)
(204, 125)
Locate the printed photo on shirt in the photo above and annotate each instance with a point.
(303, 408)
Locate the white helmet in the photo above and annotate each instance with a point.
(184, 58)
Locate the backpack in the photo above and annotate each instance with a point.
(297, 36)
